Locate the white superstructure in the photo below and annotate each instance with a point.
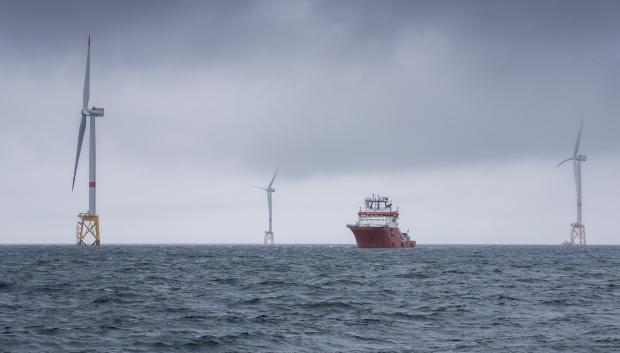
(377, 212)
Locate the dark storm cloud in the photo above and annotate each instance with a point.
(335, 85)
(237, 30)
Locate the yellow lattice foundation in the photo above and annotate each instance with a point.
(268, 237)
(87, 229)
(577, 234)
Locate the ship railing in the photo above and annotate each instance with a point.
(371, 225)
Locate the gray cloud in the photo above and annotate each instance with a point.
(331, 86)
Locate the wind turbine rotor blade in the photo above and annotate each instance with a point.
(86, 95)
(79, 147)
(576, 151)
(566, 160)
(258, 187)
(272, 179)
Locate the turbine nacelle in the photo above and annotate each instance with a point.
(269, 190)
(94, 111)
(579, 158)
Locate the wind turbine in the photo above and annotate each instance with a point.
(88, 223)
(269, 189)
(578, 230)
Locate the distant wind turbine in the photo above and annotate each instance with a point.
(578, 230)
(269, 189)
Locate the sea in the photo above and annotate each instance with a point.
(309, 298)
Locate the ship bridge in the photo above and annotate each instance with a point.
(378, 212)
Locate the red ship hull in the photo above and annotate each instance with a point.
(380, 237)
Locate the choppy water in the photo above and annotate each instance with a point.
(309, 298)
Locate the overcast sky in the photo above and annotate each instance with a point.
(457, 110)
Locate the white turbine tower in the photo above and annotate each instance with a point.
(269, 189)
(88, 223)
(578, 230)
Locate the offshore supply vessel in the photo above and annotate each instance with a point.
(377, 225)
